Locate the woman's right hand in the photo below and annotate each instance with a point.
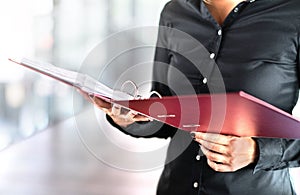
(120, 116)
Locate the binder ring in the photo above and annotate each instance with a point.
(135, 94)
(156, 93)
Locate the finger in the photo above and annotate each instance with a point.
(116, 110)
(213, 156)
(215, 138)
(101, 103)
(122, 121)
(141, 118)
(220, 167)
(129, 117)
(133, 116)
(214, 147)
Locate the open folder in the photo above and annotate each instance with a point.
(238, 114)
(78, 80)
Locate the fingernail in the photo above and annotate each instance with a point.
(193, 134)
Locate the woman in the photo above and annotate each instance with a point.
(255, 46)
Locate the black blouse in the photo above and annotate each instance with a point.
(255, 50)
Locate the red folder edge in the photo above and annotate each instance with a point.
(240, 114)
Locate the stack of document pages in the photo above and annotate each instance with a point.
(78, 80)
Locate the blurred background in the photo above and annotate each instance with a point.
(40, 150)
(61, 32)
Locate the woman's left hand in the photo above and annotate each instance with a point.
(226, 153)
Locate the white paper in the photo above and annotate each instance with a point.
(75, 79)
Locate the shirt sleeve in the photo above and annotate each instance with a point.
(298, 56)
(161, 62)
(146, 129)
(277, 154)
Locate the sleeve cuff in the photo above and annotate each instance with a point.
(270, 154)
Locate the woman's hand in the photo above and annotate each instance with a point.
(226, 153)
(120, 116)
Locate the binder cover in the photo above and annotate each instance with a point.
(238, 114)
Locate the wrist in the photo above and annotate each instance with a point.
(254, 153)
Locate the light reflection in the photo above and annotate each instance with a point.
(14, 94)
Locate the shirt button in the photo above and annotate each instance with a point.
(204, 80)
(236, 10)
(219, 32)
(198, 157)
(212, 55)
(195, 184)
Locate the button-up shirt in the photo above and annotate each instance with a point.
(255, 50)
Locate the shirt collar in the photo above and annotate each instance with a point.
(199, 2)
(200, 6)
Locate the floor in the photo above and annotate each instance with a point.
(59, 161)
